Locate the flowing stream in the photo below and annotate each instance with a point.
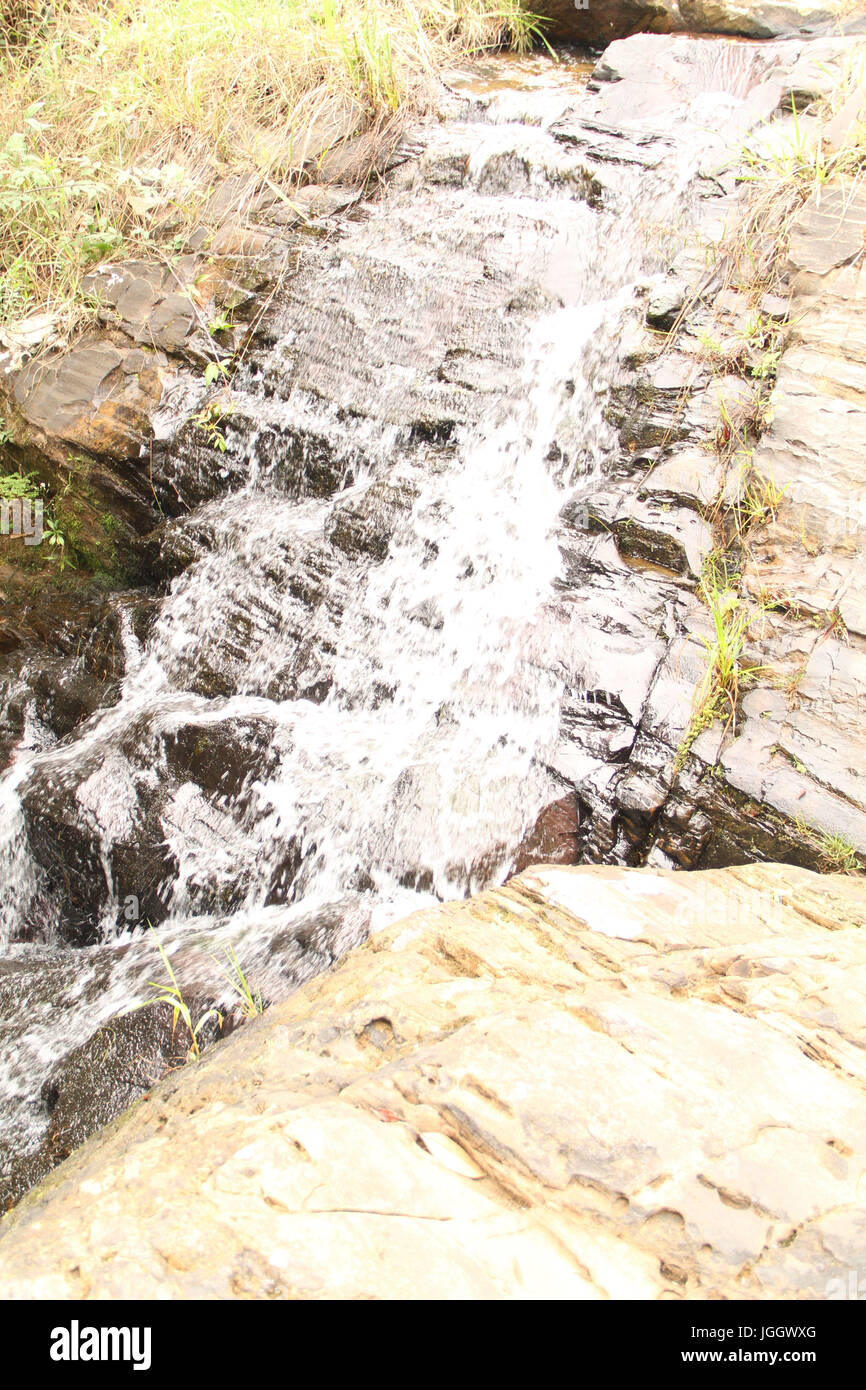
(344, 707)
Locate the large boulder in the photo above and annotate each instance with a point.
(591, 1083)
(599, 21)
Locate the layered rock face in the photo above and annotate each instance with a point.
(591, 1083)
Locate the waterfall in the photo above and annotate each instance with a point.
(345, 707)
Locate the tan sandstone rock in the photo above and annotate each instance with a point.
(590, 1083)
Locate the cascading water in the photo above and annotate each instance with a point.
(345, 707)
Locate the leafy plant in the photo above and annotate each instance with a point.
(767, 365)
(15, 486)
(214, 370)
(57, 540)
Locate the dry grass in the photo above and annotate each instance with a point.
(786, 173)
(117, 116)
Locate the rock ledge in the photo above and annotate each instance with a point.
(591, 1083)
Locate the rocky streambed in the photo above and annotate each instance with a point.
(419, 597)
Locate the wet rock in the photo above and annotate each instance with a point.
(555, 837)
(65, 696)
(314, 941)
(365, 526)
(650, 409)
(222, 759)
(672, 539)
(608, 143)
(688, 476)
(127, 1057)
(657, 531)
(599, 21)
(206, 457)
(172, 547)
(66, 847)
(358, 351)
(112, 830)
(273, 609)
(63, 653)
(366, 1093)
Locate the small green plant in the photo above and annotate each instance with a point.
(718, 694)
(210, 421)
(170, 994)
(57, 540)
(15, 486)
(251, 1004)
(216, 371)
(710, 346)
(767, 366)
(838, 855)
(758, 503)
